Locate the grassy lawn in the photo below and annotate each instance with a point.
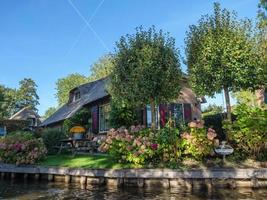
(107, 162)
(84, 161)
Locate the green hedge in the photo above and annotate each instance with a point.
(215, 121)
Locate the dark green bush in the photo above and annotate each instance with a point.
(215, 122)
(248, 133)
(81, 118)
(122, 114)
(51, 138)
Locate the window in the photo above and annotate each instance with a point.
(76, 96)
(104, 112)
(265, 97)
(148, 116)
(2, 130)
(32, 121)
(178, 114)
(181, 113)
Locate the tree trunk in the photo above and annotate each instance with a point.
(228, 104)
(153, 114)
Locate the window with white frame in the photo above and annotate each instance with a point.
(181, 113)
(76, 96)
(148, 116)
(104, 112)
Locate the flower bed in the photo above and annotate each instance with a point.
(21, 148)
(140, 146)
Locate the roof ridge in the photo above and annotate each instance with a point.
(90, 82)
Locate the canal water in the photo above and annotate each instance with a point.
(45, 191)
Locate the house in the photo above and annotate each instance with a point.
(94, 96)
(27, 114)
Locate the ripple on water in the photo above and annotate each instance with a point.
(32, 190)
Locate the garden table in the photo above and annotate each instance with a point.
(77, 145)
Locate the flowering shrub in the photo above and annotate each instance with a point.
(198, 142)
(139, 145)
(169, 144)
(132, 146)
(21, 148)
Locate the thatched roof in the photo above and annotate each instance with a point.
(90, 92)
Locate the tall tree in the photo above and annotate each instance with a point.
(27, 94)
(2, 102)
(64, 85)
(221, 55)
(147, 70)
(50, 111)
(8, 102)
(262, 13)
(102, 67)
(262, 39)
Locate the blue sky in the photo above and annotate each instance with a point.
(47, 39)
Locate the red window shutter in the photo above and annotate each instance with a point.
(163, 109)
(95, 119)
(187, 112)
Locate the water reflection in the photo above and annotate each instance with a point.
(32, 190)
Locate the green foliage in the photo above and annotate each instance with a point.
(122, 114)
(221, 53)
(198, 143)
(248, 133)
(21, 148)
(142, 147)
(51, 138)
(14, 125)
(27, 95)
(102, 67)
(212, 109)
(64, 85)
(246, 97)
(50, 111)
(7, 101)
(146, 69)
(169, 144)
(262, 13)
(81, 118)
(215, 121)
(128, 147)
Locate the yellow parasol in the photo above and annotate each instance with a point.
(77, 129)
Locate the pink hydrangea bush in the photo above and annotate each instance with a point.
(21, 148)
(199, 142)
(132, 146)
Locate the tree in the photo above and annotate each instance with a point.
(246, 97)
(27, 95)
(221, 55)
(262, 39)
(64, 85)
(212, 109)
(262, 13)
(50, 111)
(102, 67)
(146, 70)
(2, 101)
(122, 114)
(7, 101)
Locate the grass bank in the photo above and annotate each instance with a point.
(84, 161)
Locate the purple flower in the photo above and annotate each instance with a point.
(154, 146)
